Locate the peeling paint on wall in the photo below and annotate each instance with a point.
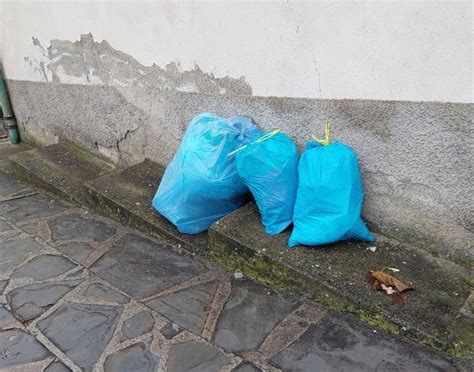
(89, 62)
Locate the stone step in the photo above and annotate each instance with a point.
(335, 275)
(61, 168)
(126, 195)
(7, 149)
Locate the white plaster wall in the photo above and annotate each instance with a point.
(403, 50)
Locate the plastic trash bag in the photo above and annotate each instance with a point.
(201, 184)
(269, 168)
(329, 197)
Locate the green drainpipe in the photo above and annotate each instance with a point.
(9, 120)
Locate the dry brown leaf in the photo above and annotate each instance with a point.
(389, 280)
(373, 282)
(389, 285)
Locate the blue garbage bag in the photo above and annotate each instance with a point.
(201, 184)
(329, 197)
(269, 168)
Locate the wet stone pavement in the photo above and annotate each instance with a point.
(80, 292)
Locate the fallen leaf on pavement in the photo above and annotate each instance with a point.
(388, 284)
(387, 279)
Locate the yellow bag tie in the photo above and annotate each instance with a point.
(327, 129)
(236, 150)
(259, 140)
(268, 135)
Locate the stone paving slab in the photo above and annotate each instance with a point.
(79, 226)
(31, 207)
(137, 325)
(44, 267)
(30, 301)
(136, 357)
(341, 344)
(142, 268)
(20, 348)
(13, 252)
(81, 331)
(115, 314)
(249, 316)
(193, 356)
(82, 237)
(188, 308)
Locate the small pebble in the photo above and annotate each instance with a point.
(238, 275)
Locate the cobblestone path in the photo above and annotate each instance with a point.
(80, 292)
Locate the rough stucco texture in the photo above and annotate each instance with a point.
(415, 157)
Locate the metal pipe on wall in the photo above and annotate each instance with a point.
(9, 120)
